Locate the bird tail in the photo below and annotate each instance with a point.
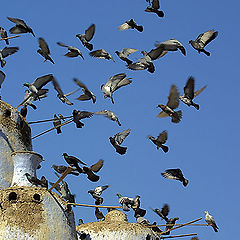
(128, 61)
(118, 123)
(151, 68)
(33, 106)
(139, 28)
(207, 53)
(7, 42)
(89, 46)
(160, 13)
(195, 105)
(165, 148)
(121, 150)
(59, 130)
(79, 124)
(215, 229)
(185, 182)
(176, 118)
(51, 60)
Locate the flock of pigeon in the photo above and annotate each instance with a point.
(36, 91)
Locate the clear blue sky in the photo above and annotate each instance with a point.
(204, 145)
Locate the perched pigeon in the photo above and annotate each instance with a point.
(21, 26)
(44, 182)
(189, 93)
(173, 102)
(202, 40)
(73, 52)
(73, 161)
(114, 83)
(171, 222)
(163, 213)
(61, 169)
(3, 34)
(78, 115)
(109, 114)
(80, 221)
(56, 123)
(124, 53)
(24, 111)
(160, 140)
(126, 202)
(2, 77)
(7, 51)
(102, 54)
(99, 215)
(85, 38)
(44, 50)
(175, 174)
(36, 181)
(171, 45)
(88, 95)
(136, 207)
(210, 221)
(131, 24)
(96, 193)
(143, 221)
(117, 140)
(154, 8)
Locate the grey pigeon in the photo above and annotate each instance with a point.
(155, 8)
(175, 174)
(97, 192)
(210, 221)
(189, 93)
(109, 114)
(56, 123)
(143, 221)
(171, 45)
(61, 169)
(102, 54)
(3, 34)
(202, 40)
(99, 215)
(29, 100)
(78, 115)
(130, 24)
(73, 51)
(87, 36)
(5, 52)
(126, 202)
(160, 140)
(96, 167)
(117, 140)
(124, 53)
(2, 77)
(173, 103)
(21, 26)
(87, 94)
(44, 50)
(114, 83)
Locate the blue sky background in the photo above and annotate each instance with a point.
(204, 144)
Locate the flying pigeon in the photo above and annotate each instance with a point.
(73, 161)
(44, 50)
(171, 45)
(124, 53)
(5, 52)
(117, 140)
(78, 115)
(160, 140)
(102, 54)
(136, 207)
(73, 52)
(131, 24)
(99, 215)
(202, 40)
(173, 102)
(163, 213)
(210, 221)
(57, 122)
(85, 38)
(126, 202)
(189, 93)
(96, 193)
(154, 8)
(2, 77)
(109, 114)
(3, 34)
(21, 26)
(90, 174)
(61, 169)
(96, 167)
(88, 95)
(175, 174)
(114, 83)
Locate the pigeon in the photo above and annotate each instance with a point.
(80, 221)
(60, 94)
(42, 93)
(124, 53)
(96, 193)
(44, 182)
(57, 122)
(189, 93)
(160, 140)
(102, 54)
(114, 83)
(2, 77)
(175, 174)
(78, 115)
(88, 95)
(21, 26)
(61, 169)
(126, 202)
(73, 161)
(202, 40)
(3, 34)
(29, 100)
(36, 181)
(99, 215)
(96, 167)
(7, 51)
(110, 115)
(131, 24)
(98, 190)
(65, 192)
(44, 50)
(171, 222)
(171, 45)
(117, 140)
(210, 221)
(154, 8)
(163, 213)
(85, 38)
(136, 207)
(173, 102)
(23, 111)
(73, 52)
(90, 174)
(143, 221)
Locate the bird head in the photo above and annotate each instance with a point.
(64, 154)
(78, 35)
(150, 137)
(161, 106)
(190, 41)
(26, 84)
(119, 195)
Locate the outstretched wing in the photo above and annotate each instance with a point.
(18, 22)
(43, 45)
(199, 91)
(90, 32)
(162, 137)
(42, 81)
(189, 88)
(9, 51)
(97, 166)
(119, 137)
(173, 98)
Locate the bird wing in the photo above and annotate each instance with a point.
(189, 88)
(114, 80)
(162, 137)
(140, 65)
(83, 97)
(42, 81)
(84, 114)
(174, 173)
(2, 77)
(71, 54)
(90, 32)
(80, 84)
(57, 86)
(119, 137)
(207, 37)
(18, 21)
(62, 44)
(98, 53)
(165, 210)
(124, 26)
(155, 4)
(199, 91)
(122, 83)
(173, 98)
(43, 45)
(128, 51)
(9, 51)
(97, 166)
(162, 114)
(157, 52)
